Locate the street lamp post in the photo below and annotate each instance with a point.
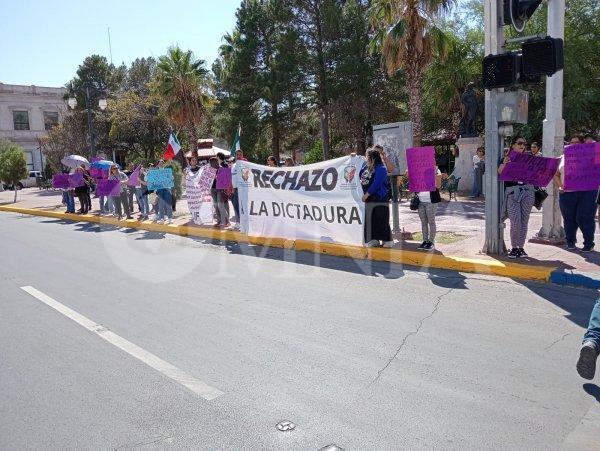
(102, 104)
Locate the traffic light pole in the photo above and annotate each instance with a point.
(494, 41)
(553, 129)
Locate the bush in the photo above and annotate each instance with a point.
(315, 154)
(13, 166)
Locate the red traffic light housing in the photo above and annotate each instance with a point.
(517, 12)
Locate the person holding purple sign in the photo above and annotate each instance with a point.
(428, 203)
(83, 191)
(519, 199)
(577, 206)
(121, 199)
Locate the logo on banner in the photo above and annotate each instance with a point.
(349, 174)
(245, 174)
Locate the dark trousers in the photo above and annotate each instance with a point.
(122, 200)
(578, 210)
(85, 202)
(377, 221)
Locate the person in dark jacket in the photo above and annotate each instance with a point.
(376, 187)
(83, 192)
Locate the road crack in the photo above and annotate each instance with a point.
(558, 340)
(412, 333)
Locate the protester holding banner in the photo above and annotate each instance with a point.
(519, 198)
(235, 200)
(374, 180)
(120, 197)
(165, 202)
(83, 192)
(219, 194)
(577, 195)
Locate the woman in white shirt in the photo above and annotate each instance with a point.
(428, 202)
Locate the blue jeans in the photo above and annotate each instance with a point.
(70, 201)
(593, 331)
(165, 208)
(142, 201)
(476, 190)
(578, 210)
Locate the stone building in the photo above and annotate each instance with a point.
(26, 113)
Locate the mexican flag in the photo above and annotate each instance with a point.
(173, 147)
(235, 145)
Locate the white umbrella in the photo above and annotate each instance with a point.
(74, 161)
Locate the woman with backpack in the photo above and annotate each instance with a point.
(376, 188)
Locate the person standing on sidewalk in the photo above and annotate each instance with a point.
(374, 180)
(588, 354)
(428, 203)
(518, 202)
(83, 192)
(165, 203)
(141, 194)
(578, 209)
(235, 200)
(120, 200)
(477, 159)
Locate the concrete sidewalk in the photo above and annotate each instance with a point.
(461, 231)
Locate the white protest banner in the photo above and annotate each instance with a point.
(316, 202)
(197, 191)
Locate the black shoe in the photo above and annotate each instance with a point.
(586, 365)
(522, 253)
(514, 253)
(587, 248)
(423, 245)
(571, 246)
(429, 246)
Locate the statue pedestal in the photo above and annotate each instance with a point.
(463, 165)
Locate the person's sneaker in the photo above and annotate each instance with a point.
(169, 221)
(514, 253)
(429, 246)
(522, 253)
(586, 365)
(423, 245)
(372, 243)
(571, 246)
(388, 244)
(587, 248)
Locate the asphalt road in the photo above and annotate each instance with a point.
(358, 354)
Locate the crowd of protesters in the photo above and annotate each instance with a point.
(578, 208)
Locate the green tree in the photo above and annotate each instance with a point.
(180, 82)
(13, 166)
(409, 40)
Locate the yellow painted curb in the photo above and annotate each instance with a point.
(412, 258)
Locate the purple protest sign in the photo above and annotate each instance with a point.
(60, 181)
(582, 167)
(108, 188)
(134, 178)
(421, 168)
(537, 171)
(224, 178)
(76, 180)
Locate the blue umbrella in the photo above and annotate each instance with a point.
(103, 164)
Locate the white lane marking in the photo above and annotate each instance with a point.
(197, 386)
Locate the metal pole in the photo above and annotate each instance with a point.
(494, 40)
(553, 129)
(90, 123)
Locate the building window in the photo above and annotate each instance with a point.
(29, 160)
(50, 119)
(21, 120)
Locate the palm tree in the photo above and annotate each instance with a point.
(180, 82)
(406, 34)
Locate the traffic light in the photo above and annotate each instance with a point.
(500, 71)
(517, 12)
(542, 56)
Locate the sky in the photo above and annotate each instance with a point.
(43, 42)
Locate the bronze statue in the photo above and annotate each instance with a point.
(466, 129)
